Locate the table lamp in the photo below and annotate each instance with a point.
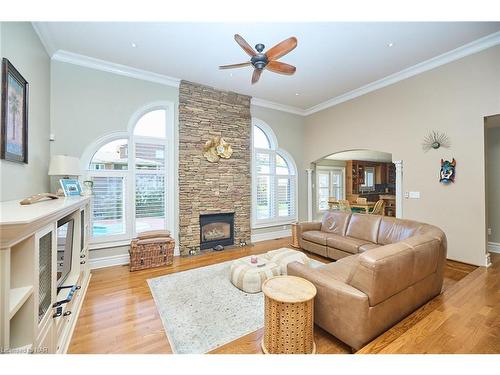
(64, 166)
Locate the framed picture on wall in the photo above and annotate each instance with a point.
(14, 142)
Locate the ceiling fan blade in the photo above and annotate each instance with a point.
(280, 67)
(282, 48)
(241, 65)
(256, 75)
(243, 44)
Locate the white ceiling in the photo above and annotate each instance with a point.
(331, 58)
(366, 155)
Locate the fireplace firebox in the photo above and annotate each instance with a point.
(216, 229)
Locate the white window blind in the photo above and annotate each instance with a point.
(284, 197)
(149, 186)
(108, 206)
(264, 205)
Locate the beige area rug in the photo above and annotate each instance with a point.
(201, 310)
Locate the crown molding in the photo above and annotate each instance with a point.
(277, 106)
(43, 34)
(110, 67)
(127, 71)
(458, 53)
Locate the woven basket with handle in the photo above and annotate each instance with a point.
(151, 249)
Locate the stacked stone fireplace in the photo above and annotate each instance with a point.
(213, 188)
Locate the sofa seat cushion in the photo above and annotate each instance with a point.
(349, 244)
(315, 236)
(367, 247)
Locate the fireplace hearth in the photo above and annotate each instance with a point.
(216, 229)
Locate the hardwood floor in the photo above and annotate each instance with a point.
(120, 316)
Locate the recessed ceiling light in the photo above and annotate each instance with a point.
(297, 94)
(390, 44)
(230, 74)
(134, 45)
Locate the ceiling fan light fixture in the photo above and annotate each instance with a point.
(260, 60)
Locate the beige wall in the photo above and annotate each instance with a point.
(88, 104)
(21, 45)
(453, 98)
(493, 181)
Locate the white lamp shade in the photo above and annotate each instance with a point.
(63, 165)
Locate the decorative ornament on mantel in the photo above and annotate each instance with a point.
(216, 148)
(435, 140)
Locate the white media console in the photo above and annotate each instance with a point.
(35, 314)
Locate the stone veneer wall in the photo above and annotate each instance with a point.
(224, 186)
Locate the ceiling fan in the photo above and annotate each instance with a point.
(267, 60)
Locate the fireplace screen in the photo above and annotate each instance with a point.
(216, 229)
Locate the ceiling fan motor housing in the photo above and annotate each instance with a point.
(259, 61)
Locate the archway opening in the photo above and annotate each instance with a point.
(357, 179)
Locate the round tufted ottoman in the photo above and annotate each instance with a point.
(284, 256)
(249, 277)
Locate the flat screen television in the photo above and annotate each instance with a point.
(65, 229)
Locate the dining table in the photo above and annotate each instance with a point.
(367, 206)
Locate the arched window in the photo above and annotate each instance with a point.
(129, 175)
(274, 180)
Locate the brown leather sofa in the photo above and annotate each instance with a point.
(387, 268)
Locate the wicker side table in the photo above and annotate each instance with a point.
(295, 236)
(289, 316)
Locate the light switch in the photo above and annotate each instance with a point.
(414, 195)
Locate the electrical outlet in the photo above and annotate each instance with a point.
(489, 231)
(284, 226)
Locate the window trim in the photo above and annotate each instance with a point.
(171, 171)
(292, 176)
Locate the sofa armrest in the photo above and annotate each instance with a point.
(340, 308)
(323, 280)
(309, 225)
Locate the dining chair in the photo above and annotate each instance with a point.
(378, 208)
(344, 205)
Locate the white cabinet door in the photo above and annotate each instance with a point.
(45, 289)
